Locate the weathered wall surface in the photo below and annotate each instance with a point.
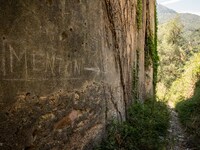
(67, 67)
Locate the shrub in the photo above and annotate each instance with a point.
(190, 117)
(145, 129)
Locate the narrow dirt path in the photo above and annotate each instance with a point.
(177, 137)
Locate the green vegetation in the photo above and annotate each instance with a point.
(177, 43)
(146, 128)
(135, 84)
(151, 55)
(190, 22)
(171, 52)
(183, 87)
(179, 70)
(139, 11)
(135, 76)
(147, 123)
(190, 117)
(185, 93)
(155, 52)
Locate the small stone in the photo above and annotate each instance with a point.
(1, 144)
(181, 140)
(181, 136)
(170, 131)
(76, 96)
(161, 137)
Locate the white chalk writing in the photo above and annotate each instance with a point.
(30, 65)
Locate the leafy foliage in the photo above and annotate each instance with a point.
(145, 129)
(185, 93)
(177, 43)
(190, 117)
(183, 87)
(170, 49)
(139, 11)
(151, 55)
(156, 56)
(179, 71)
(135, 78)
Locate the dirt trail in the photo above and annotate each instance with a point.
(177, 137)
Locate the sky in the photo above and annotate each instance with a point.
(182, 6)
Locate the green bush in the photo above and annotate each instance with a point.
(189, 113)
(182, 87)
(145, 129)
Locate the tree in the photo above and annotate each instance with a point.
(171, 51)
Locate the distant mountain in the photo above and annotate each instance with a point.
(164, 10)
(165, 14)
(190, 22)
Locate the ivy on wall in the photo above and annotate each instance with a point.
(135, 80)
(139, 11)
(151, 53)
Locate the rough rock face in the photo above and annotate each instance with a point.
(67, 67)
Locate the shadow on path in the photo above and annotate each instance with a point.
(189, 114)
(177, 136)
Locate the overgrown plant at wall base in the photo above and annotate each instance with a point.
(189, 115)
(139, 11)
(146, 128)
(185, 94)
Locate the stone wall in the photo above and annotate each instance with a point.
(67, 67)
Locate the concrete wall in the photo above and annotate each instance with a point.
(66, 69)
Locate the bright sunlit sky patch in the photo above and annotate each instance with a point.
(182, 6)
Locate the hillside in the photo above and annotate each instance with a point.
(165, 14)
(179, 72)
(189, 21)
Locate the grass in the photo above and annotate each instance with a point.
(185, 94)
(182, 88)
(189, 113)
(146, 128)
